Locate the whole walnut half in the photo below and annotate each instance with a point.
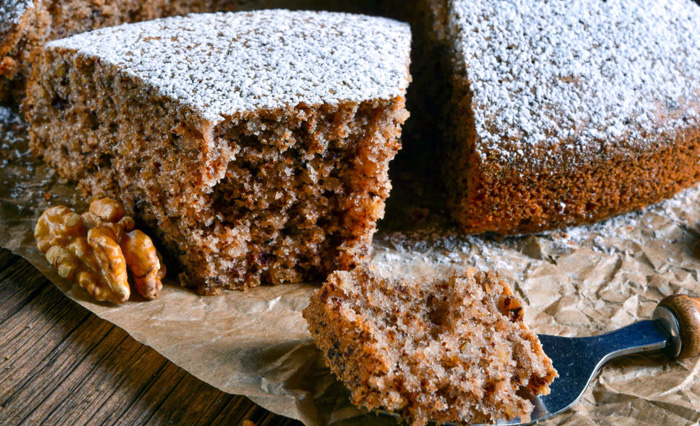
(96, 248)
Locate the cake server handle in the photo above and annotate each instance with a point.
(675, 329)
(679, 315)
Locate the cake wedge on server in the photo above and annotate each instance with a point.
(256, 145)
(441, 349)
(567, 112)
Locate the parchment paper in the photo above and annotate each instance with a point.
(576, 282)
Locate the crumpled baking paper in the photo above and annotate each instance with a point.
(576, 282)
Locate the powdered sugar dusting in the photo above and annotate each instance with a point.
(11, 12)
(7, 116)
(588, 73)
(228, 63)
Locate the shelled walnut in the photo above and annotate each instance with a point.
(94, 249)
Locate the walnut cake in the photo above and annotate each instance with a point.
(255, 144)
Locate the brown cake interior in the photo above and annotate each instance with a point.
(555, 197)
(271, 196)
(443, 350)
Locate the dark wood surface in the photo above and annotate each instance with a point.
(62, 365)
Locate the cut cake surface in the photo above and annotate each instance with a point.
(443, 350)
(566, 112)
(256, 143)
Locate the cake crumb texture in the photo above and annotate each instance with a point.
(442, 350)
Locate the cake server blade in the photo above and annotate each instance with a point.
(675, 329)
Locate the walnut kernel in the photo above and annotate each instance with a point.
(96, 248)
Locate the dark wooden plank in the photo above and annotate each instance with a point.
(193, 398)
(241, 409)
(221, 402)
(60, 364)
(31, 334)
(147, 405)
(237, 410)
(32, 320)
(134, 380)
(7, 259)
(31, 367)
(52, 370)
(69, 389)
(237, 407)
(110, 372)
(19, 283)
(269, 419)
(58, 380)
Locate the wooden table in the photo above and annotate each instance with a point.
(62, 365)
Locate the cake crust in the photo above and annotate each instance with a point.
(444, 350)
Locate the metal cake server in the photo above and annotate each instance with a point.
(675, 329)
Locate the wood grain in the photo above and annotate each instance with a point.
(61, 365)
(687, 311)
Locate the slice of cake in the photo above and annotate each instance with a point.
(443, 350)
(256, 145)
(25, 25)
(566, 112)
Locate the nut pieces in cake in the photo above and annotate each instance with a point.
(95, 248)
